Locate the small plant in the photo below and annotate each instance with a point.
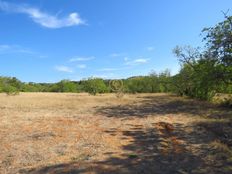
(81, 157)
(132, 156)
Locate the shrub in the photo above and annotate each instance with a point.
(95, 85)
(11, 90)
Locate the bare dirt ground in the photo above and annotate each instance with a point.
(140, 134)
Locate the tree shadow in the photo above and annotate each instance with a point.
(156, 150)
(222, 130)
(165, 104)
(162, 148)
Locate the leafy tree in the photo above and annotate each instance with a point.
(11, 86)
(219, 41)
(29, 88)
(149, 84)
(196, 77)
(165, 81)
(11, 90)
(95, 85)
(67, 86)
(205, 73)
(219, 48)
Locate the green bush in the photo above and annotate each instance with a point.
(95, 85)
(11, 90)
(67, 86)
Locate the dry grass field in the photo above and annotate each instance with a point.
(139, 134)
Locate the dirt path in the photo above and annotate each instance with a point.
(145, 133)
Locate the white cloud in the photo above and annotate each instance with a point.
(4, 48)
(43, 56)
(108, 69)
(63, 69)
(26, 51)
(76, 59)
(42, 18)
(81, 66)
(115, 55)
(150, 48)
(17, 49)
(126, 58)
(104, 76)
(141, 60)
(137, 61)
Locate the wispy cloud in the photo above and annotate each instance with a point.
(137, 61)
(26, 51)
(42, 18)
(141, 60)
(18, 49)
(150, 48)
(63, 69)
(43, 57)
(115, 54)
(76, 59)
(126, 59)
(108, 69)
(5, 48)
(81, 66)
(104, 76)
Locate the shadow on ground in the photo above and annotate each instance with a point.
(162, 149)
(164, 104)
(156, 150)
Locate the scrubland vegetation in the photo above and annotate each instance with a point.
(59, 128)
(46, 133)
(204, 72)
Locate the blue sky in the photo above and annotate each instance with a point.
(46, 41)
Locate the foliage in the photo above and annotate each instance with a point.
(11, 86)
(11, 90)
(67, 86)
(95, 85)
(204, 73)
(149, 84)
(219, 41)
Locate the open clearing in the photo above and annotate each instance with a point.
(142, 133)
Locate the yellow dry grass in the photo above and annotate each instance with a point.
(47, 129)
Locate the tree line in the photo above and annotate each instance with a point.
(141, 84)
(204, 72)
